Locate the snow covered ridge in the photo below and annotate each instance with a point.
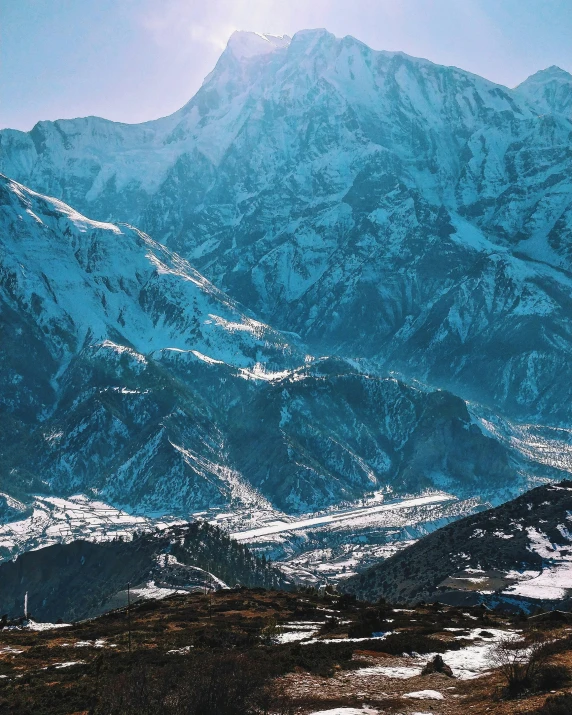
(245, 45)
(154, 147)
(110, 277)
(151, 389)
(549, 89)
(519, 553)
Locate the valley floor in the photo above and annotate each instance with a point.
(317, 548)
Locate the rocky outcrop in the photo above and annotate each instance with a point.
(437, 665)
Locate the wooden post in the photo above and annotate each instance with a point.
(129, 613)
(210, 593)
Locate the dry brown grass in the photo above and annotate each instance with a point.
(234, 625)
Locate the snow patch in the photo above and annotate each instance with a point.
(425, 695)
(245, 45)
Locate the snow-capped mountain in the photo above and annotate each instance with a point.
(404, 227)
(127, 376)
(376, 204)
(83, 280)
(549, 90)
(83, 303)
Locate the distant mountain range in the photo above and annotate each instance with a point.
(393, 239)
(379, 205)
(126, 375)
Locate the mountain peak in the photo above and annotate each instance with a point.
(244, 45)
(550, 74)
(312, 33)
(308, 39)
(550, 90)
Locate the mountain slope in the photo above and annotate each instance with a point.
(405, 225)
(128, 377)
(377, 204)
(519, 551)
(83, 579)
(82, 302)
(550, 90)
(84, 279)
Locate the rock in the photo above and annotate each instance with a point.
(437, 665)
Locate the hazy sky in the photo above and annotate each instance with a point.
(133, 60)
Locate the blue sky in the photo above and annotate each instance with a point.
(133, 60)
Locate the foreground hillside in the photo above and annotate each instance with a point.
(83, 579)
(126, 375)
(249, 652)
(519, 553)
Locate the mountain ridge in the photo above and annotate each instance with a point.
(83, 579)
(517, 555)
(326, 175)
(128, 377)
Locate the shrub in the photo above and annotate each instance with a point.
(330, 624)
(318, 658)
(520, 663)
(217, 637)
(552, 677)
(346, 601)
(225, 684)
(407, 642)
(271, 632)
(556, 705)
(369, 621)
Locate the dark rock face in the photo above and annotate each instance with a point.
(437, 665)
(488, 553)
